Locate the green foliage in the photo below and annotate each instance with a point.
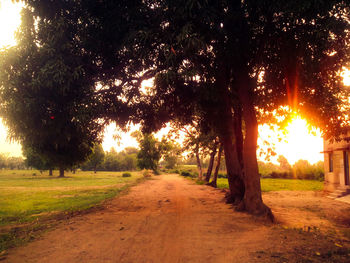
(186, 174)
(188, 171)
(46, 97)
(206, 58)
(113, 161)
(96, 159)
(126, 174)
(150, 152)
(302, 169)
(35, 160)
(171, 154)
(173, 171)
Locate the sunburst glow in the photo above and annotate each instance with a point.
(346, 76)
(10, 20)
(296, 142)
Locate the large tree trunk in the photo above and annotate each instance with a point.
(199, 166)
(61, 169)
(211, 161)
(217, 167)
(50, 172)
(234, 170)
(252, 198)
(225, 124)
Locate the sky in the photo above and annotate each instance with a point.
(297, 143)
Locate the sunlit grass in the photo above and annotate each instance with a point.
(23, 196)
(269, 184)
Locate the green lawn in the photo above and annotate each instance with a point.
(269, 184)
(24, 196)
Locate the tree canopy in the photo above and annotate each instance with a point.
(229, 63)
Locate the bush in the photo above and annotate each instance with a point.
(283, 175)
(173, 171)
(222, 175)
(185, 174)
(156, 172)
(126, 175)
(147, 173)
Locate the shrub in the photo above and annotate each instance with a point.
(126, 175)
(185, 174)
(156, 172)
(147, 173)
(283, 175)
(222, 175)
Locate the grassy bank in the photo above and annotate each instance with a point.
(269, 184)
(29, 197)
(24, 196)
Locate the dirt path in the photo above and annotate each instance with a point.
(169, 219)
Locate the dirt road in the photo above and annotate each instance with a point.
(169, 219)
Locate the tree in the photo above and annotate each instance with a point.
(211, 160)
(129, 162)
(47, 93)
(171, 153)
(302, 169)
(2, 161)
(112, 162)
(217, 167)
(15, 163)
(227, 62)
(284, 164)
(35, 160)
(97, 157)
(150, 152)
(199, 140)
(131, 150)
(218, 51)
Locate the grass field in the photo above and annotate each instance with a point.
(39, 200)
(26, 195)
(269, 184)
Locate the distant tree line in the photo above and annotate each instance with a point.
(302, 169)
(112, 160)
(10, 162)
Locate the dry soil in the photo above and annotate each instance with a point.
(170, 219)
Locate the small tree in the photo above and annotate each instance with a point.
(303, 169)
(171, 153)
(3, 160)
(35, 160)
(97, 157)
(284, 164)
(129, 162)
(112, 162)
(150, 152)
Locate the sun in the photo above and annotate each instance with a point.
(296, 141)
(346, 76)
(301, 142)
(10, 19)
